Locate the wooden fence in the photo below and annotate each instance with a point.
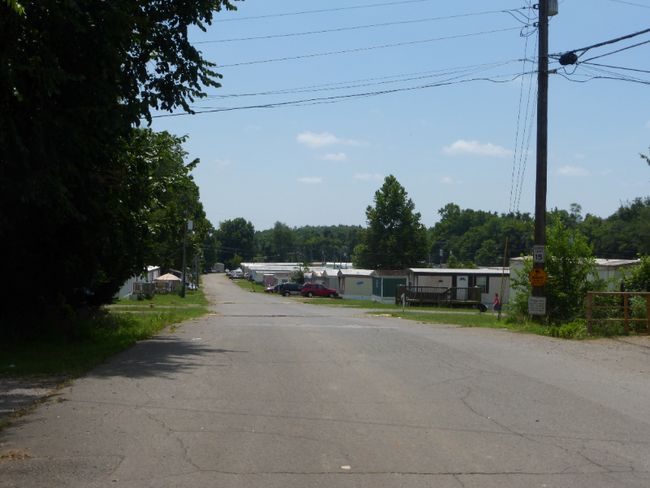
(625, 307)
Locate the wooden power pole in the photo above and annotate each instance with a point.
(537, 305)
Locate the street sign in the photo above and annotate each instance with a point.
(539, 254)
(537, 305)
(359, 283)
(537, 277)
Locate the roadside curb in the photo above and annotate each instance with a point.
(17, 395)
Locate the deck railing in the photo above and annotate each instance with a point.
(438, 295)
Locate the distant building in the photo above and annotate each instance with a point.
(490, 280)
(385, 283)
(606, 268)
(153, 272)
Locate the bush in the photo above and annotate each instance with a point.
(571, 274)
(572, 330)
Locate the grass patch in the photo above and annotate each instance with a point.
(249, 286)
(382, 306)
(471, 319)
(74, 348)
(14, 455)
(192, 297)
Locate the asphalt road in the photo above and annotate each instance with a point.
(272, 392)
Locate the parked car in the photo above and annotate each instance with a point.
(318, 290)
(270, 289)
(287, 289)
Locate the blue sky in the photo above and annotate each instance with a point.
(438, 93)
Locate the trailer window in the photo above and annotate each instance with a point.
(481, 282)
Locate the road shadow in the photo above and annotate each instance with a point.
(163, 356)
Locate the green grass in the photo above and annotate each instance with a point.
(249, 286)
(192, 297)
(380, 306)
(82, 344)
(472, 319)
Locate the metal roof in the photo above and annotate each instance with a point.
(461, 271)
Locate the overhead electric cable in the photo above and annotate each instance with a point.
(630, 3)
(615, 67)
(291, 58)
(288, 14)
(370, 81)
(617, 51)
(369, 26)
(518, 170)
(600, 44)
(332, 99)
(591, 78)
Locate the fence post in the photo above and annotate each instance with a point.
(647, 312)
(625, 309)
(589, 304)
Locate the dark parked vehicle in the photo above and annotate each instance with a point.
(318, 290)
(287, 289)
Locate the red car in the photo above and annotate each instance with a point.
(271, 289)
(318, 290)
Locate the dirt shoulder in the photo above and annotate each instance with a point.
(19, 394)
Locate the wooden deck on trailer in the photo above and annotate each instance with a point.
(440, 296)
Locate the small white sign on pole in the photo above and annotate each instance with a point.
(537, 305)
(539, 254)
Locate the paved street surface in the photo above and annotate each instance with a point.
(272, 392)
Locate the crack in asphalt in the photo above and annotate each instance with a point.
(543, 439)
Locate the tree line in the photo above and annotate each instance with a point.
(394, 237)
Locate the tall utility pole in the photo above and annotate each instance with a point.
(538, 275)
(542, 131)
(184, 255)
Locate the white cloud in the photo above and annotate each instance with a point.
(311, 180)
(447, 180)
(474, 147)
(334, 157)
(572, 171)
(648, 125)
(325, 139)
(222, 162)
(368, 176)
(579, 156)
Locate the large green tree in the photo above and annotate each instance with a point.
(480, 236)
(75, 78)
(235, 237)
(171, 198)
(395, 238)
(283, 243)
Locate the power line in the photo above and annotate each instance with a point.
(591, 78)
(390, 4)
(616, 67)
(617, 51)
(291, 58)
(600, 44)
(333, 99)
(630, 3)
(370, 81)
(369, 26)
(517, 182)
